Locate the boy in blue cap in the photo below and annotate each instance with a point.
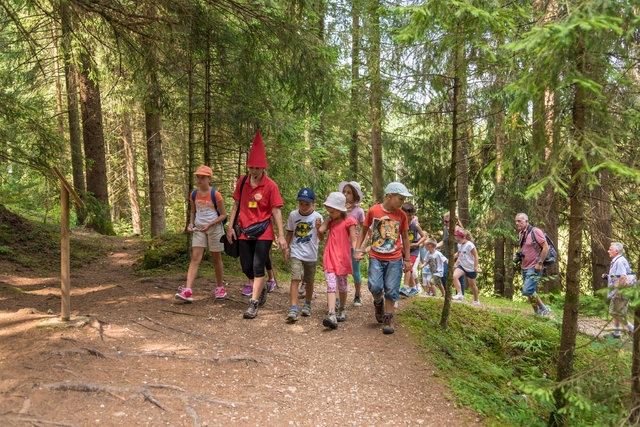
(302, 239)
(389, 256)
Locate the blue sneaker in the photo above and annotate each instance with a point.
(404, 291)
(413, 292)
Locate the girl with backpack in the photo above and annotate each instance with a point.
(206, 224)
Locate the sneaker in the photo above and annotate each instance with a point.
(379, 311)
(292, 316)
(306, 310)
(247, 291)
(342, 314)
(185, 294)
(357, 301)
(458, 297)
(404, 291)
(252, 309)
(413, 292)
(330, 321)
(387, 324)
(221, 292)
(262, 299)
(271, 285)
(546, 312)
(477, 303)
(302, 291)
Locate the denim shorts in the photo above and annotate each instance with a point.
(530, 279)
(385, 276)
(469, 274)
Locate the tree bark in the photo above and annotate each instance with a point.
(509, 270)
(132, 176)
(375, 101)
(635, 365)
(463, 157)
(56, 70)
(600, 228)
(75, 135)
(499, 243)
(355, 85)
(153, 126)
(94, 146)
(576, 220)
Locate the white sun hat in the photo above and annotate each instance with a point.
(397, 188)
(336, 201)
(354, 185)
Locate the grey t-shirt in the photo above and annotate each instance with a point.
(304, 245)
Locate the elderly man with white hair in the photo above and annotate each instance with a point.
(619, 275)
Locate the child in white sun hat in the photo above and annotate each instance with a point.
(337, 256)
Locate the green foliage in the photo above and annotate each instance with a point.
(165, 251)
(503, 364)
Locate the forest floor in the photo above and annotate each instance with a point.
(137, 357)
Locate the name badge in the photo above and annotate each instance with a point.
(253, 204)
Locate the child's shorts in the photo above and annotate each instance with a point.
(469, 274)
(209, 239)
(303, 270)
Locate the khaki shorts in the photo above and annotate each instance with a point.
(209, 239)
(303, 270)
(618, 306)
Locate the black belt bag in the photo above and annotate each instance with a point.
(256, 230)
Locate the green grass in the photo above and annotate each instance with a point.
(502, 364)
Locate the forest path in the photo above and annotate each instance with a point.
(143, 359)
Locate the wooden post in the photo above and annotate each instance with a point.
(65, 260)
(65, 233)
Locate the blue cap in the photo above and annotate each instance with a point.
(397, 188)
(306, 195)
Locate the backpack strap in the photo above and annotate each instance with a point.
(213, 198)
(193, 195)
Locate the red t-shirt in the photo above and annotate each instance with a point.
(257, 204)
(387, 228)
(337, 252)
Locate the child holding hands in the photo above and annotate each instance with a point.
(337, 256)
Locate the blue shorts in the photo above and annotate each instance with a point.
(385, 276)
(530, 279)
(469, 274)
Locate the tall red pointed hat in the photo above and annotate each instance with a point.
(257, 156)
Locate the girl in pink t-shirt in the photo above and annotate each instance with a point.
(337, 256)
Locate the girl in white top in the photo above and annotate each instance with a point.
(467, 265)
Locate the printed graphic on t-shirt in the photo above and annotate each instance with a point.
(303, 232)
(411, 234)
(385, 235)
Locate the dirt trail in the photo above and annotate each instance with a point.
(145, 360)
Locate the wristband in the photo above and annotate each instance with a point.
(357, 250)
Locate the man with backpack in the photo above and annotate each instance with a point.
(619, 276)
(533, 253)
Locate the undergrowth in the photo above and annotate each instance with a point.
(502, 365)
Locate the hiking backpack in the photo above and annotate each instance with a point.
(213, 199)
(552, 255)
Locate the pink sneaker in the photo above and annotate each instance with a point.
(271, 285)
(185, 294)
(221, 292)
(247, 291)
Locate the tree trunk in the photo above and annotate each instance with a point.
(75, 136)
(153, 126)
(206, 129)
(132, 176)
(190, 138)
(635, 366)
(600, 228)
(463, 157)
(56, 70)
(355, 85)
(576, 220)
(498, 213)
(375, 101)
(94, 148)
(446, 307)
(509, 270)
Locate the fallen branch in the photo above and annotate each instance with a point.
(199, 335)
(239, 358)
(148, 397)
(90, 388)
(179, 312)
(147, 327)
(36, 421)
(83, 350)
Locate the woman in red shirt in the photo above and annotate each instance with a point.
(256, 201)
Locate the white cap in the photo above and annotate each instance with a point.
(336, 201)
(354, 185)
(397, 188)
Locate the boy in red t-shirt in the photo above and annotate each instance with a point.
(389, 245)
